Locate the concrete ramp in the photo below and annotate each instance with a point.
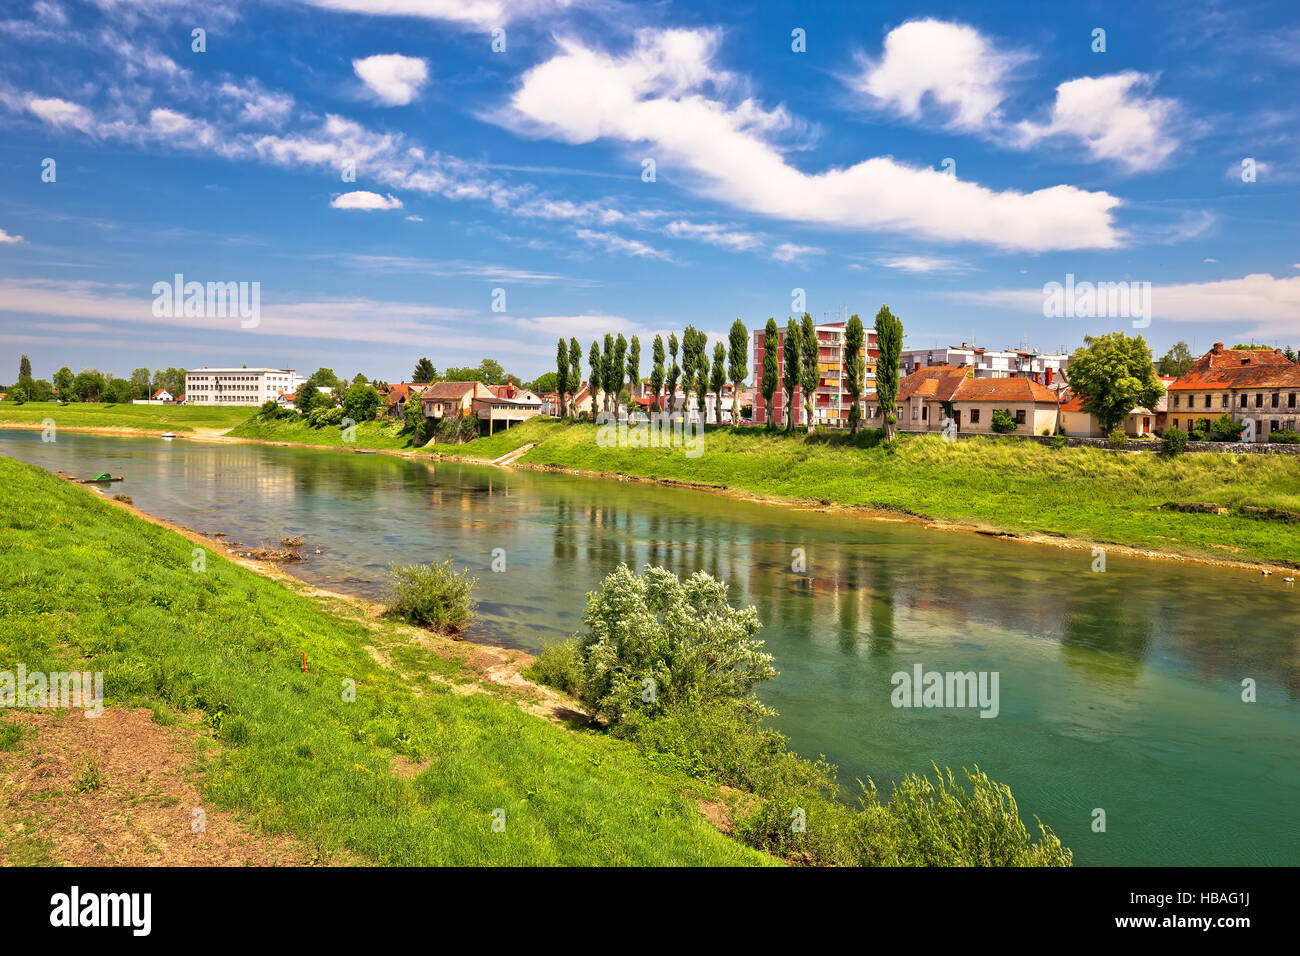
(515, 455)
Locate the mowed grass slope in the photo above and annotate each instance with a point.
(1019, 487)
(87, 586)
(176, 418)
(374, 434)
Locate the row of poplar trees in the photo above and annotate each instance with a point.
(685, 364)
(617, 363)
(798, 367)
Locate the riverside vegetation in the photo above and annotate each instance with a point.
(86, 584)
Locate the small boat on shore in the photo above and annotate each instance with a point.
(363, 451)
(100, 479)
(167, 435)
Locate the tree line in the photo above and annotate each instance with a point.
(93, 385)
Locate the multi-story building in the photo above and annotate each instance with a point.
(239, 386)
(831, 402)
(1262, 385)
(1043, 368)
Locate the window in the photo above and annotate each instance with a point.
(925, 413)
(1020, 416)
(1243, 401)
(1274, 399)
(1290, 401)
(1176, 401)
(1225, 401)
(914, 413)
(974, 416)
(1259, 399)
(1275, 425)
(1207, 401)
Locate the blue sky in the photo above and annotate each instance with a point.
(523, 170)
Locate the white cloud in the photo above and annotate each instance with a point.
(616, 243)
(714, 234)
(361, 199)
(415, 219)
(917, 264)
(1270, 305)
(953, 64)
(61, 114)
(1113, 117)
(478, 13)
(260, 106)
(655, 96)
(791, 252)
(6, 239)
(394, 79)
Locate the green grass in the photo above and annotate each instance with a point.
(176, 418)
(376, 434)
(1012, 486)
(86, 585)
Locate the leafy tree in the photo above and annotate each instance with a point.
(618, 367)
(607, 371)
(424, 372)
(737, 364)
(575, 369)
(634, 364)
(24, 368)
(597, 377)
(1224, 428)
(88, 385)
(1176, 361)
(1173, 442)
(702, 380)
(771, 338)
(140, 380)
(718, 378)
(889, 342)
(673, 372)
(562, 372)
(1113, 375)
(1289, 354)
(63, 379)
(324, 378)
(657, 373)
(116, 391)
(690, 362)
(1003, 423)
(492, 372)
(790, 370)
(359, 378)
(809, 374)
(361, 402)
(683, 635)
(170, 379)
(548, 381)
(306, 397)
(855, 368)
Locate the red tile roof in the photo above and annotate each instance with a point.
(1003, 390)
(1222, 368)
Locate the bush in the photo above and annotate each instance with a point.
(1118, 438)
(1058, 441)
(455, 429)
(1174, 442)
(323, 417)
(1003, 423)
(1284, 438)
(558, 665)
(1224, 428)
(431, 595)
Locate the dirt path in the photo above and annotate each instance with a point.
(120, 790)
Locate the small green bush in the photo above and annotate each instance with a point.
(431, 595)
(1003, 423)
(1284, 438)
(1058, 441)
(1224, 428)
(558, 665)
(1174, 442)
(1118, 438)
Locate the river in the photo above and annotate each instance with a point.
(1118, 691)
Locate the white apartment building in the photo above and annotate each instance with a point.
(1043, 368)
(239, 386)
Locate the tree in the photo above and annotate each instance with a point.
(737, 364)
(88, 385)
(809, 374)
(325, 379)
(702, 381)
(548, 381)
(1113, 375)
(889, 342)
(673, 372)
(63, 379)
(634, 364)
(361, 402)
(1176, 361)
(597, 380)
(1002, 422)
(771, 336)
(116, 391)
(561, 372)
(790, 370)
(1289, 354)
(855, 367)
(575, 372)
(171, 380)
(424, 372)
(140, 380)
(690, 362)
(718, 379)
(618, 367)
(493, 373)
(307, 396)
(657, 373)
(24, 368)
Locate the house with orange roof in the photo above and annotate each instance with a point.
(934, 395)
(399, 394)
(1259, 385)
(1078, 422)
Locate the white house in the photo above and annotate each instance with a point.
(239, 386)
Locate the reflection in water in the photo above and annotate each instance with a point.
(1119, 690)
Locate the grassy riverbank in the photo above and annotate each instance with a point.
(1017, 487)
(408, 773)
(385, 435)
(146, 418)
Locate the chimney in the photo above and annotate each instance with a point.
(1218, 348)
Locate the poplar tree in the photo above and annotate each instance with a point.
(769, 383)
(673, 372)
(575, 374)
(561, 372)
(790, 369)
(737, 365)
(657, 373)
(889, 341)
(808, 372)
(854, 369)
(719, 379)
